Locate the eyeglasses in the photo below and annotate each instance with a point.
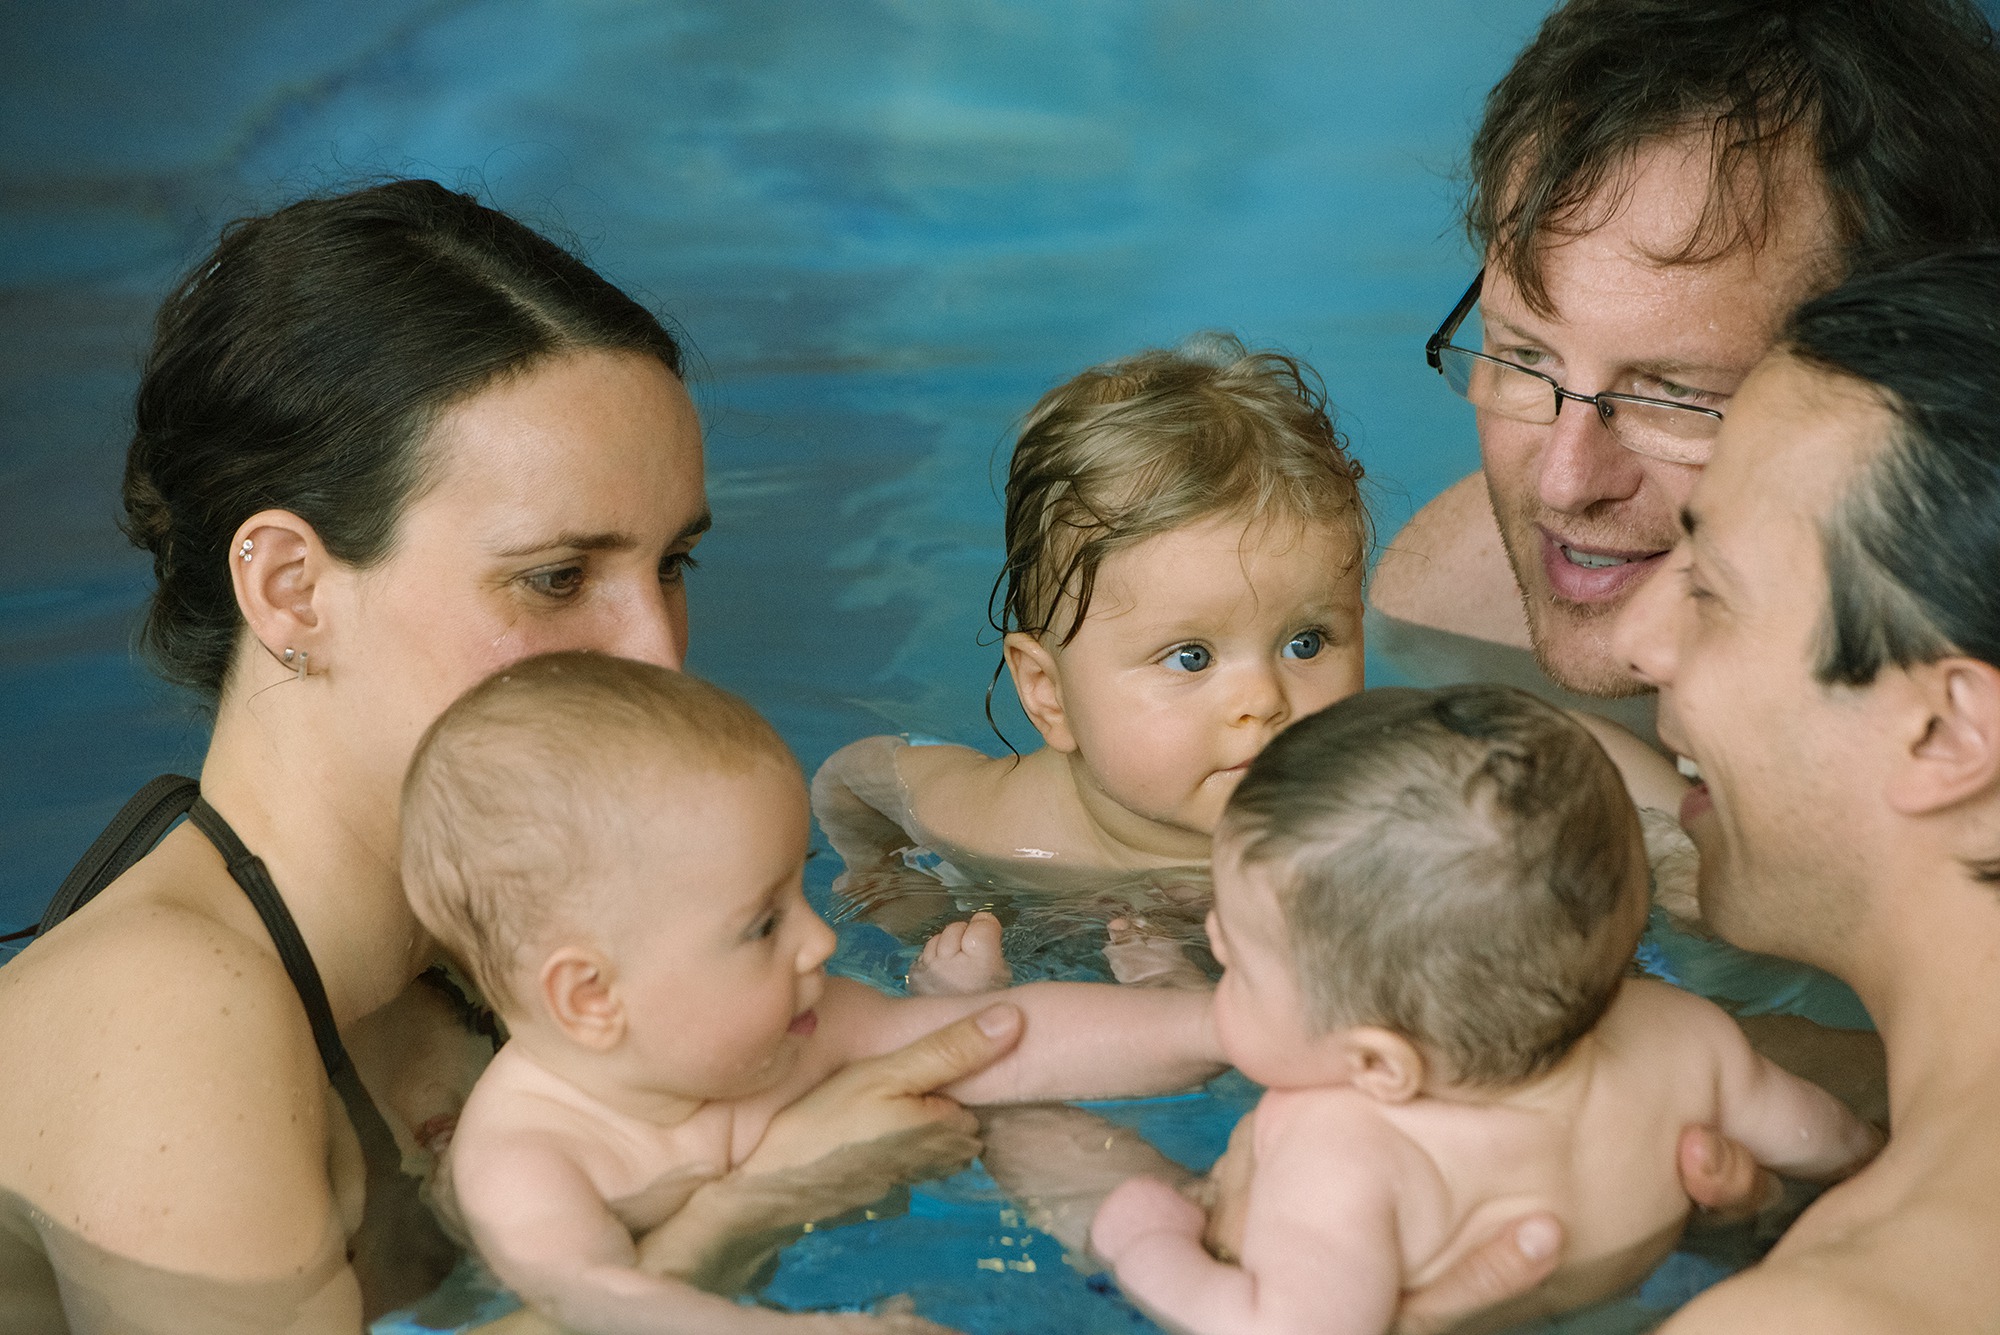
(1678, 433)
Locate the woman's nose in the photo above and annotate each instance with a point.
(654, 628)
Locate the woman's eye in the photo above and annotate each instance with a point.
(557, 584)
(1188, 658)
(674, 568)
(1305, 644)
(1531, 357)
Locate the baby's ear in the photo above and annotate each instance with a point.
(1038, 683)
(1382, 1064)
(576, 988)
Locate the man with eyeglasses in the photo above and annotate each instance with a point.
(1656, 184)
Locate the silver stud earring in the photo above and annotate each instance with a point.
(297, 658)
(247, 545)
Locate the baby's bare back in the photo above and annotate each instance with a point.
(1594, 1142)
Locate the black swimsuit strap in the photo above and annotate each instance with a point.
(249, 872)
(392, 1216)
(129, 837)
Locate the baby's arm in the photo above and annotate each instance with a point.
(1320, 1248)
(858, 800)
(1790, 1125)
(542, 1227)
(1080, 1040)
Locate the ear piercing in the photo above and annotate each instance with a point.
(247, 545)
(296, 657)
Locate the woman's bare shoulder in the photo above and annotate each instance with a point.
(178, 1110)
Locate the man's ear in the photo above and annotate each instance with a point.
(1038, 682)
(576, 988)
(1952, 738)
(277, 563)
(1382, 1064)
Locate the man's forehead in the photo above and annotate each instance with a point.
(1794, 441)
(1661, 232)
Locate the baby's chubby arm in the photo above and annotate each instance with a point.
(1788, 1124)
(1079, 1040)
(546, 1232)
(1320, 1245)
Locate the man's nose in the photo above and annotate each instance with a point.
(1583, 464)
(1645, 634)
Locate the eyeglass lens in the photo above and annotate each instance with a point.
(1658, 430)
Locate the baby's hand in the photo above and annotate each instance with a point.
(1143, 960)
(963, 958)
(1227, 1193)
(1138, 1208)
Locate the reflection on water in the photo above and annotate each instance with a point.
(106, 1294)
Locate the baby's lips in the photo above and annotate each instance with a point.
(804, 1023)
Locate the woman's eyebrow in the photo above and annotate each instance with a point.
(609, 541)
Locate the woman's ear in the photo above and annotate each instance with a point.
(1038, 683)
(277, 564)
(1953, 750)
(576, 988)
(1382, 1064)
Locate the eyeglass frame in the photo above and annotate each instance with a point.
(1441, 338)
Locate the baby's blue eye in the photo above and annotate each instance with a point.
(1188, 658)
(1305, 644)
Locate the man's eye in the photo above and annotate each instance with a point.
(1522, 356)
(675, 565)
(559, 583)
(1672, 391)
(1187, 658)
(1305, 644)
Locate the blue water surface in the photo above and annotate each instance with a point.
(887, 226)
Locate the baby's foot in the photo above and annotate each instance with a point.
(964, 957)
(1143, 960)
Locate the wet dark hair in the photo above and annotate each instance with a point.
(1913, 549)
(300, 366)
(1461, 865)
(1135, 448)
(1897, 100)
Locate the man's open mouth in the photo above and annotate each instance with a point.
(1581, 574)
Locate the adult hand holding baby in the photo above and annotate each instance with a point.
(875, 1125)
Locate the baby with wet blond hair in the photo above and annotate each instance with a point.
(1426, 904)
(614, 852)
(1185, 544)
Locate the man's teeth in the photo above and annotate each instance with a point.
(1592, 561)
(1689, 770)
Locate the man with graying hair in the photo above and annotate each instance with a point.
(1655, 184)
(1825, 640)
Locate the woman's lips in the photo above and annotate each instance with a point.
(1695, 803)
(1574, 581)
(804, 1023)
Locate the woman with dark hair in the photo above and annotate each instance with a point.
(385, 444)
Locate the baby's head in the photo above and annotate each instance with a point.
(1185, 548)
(1418, 890)
(612, 851)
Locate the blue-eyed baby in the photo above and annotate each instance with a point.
(1426, 903)
(1185, 544)
(613, 851)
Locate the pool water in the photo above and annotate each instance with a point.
(887, 226)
